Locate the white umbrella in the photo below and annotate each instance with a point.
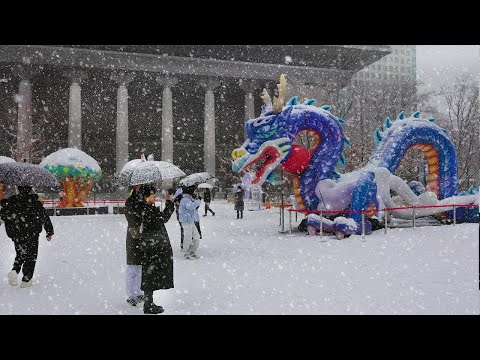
(205, 186)
(127, 171)
(144, 172)
(195, 179)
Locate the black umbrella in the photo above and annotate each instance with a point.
(195, 179)
(26, 174)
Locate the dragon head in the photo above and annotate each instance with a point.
(267, 144)
(265, 147)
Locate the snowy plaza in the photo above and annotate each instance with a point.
(248, 267)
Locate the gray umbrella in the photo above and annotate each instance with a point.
(144, 172)
(26, 174)
(195, 179)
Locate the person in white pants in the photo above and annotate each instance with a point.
(188, 214)
(133, 274)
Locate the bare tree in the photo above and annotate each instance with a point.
(365, 106)
(463, 122)
(33, 151)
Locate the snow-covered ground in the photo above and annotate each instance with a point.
(248, 267)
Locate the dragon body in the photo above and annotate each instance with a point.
(271, 143)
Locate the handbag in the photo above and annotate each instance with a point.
(136, 231)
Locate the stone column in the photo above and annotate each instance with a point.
(167, 116)
(121, 143)
(249, 87)
(75, 109)
(24, 114)
(209, 85)
(167, 82)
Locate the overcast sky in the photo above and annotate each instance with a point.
(439, 63)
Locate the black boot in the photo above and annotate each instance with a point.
(152, 309)
(149, 307)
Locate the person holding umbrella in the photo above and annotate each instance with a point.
(24, 217)
(135, 173)
(155, 247)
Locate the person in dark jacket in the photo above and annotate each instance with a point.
(24, 217)
(157, 255)
(133, 213)
(239, 204)
(176, 200)
(207, 198)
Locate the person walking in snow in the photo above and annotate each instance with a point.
(24, 217)
(239, 204)
(207, 198)
(188, 215)
(134, 207)
(156, 250)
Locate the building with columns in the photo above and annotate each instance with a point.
(184, 103)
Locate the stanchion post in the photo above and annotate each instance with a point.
(321, 224)
(454, 215)
(290, 219)
(413, 207)
(385, 220)
(363, 225)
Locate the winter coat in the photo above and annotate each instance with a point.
(207, 197)
(24, 217)
(134, 207)
(188, 209)
(157, 255)
(239, 204)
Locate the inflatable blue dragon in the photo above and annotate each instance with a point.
(271, 143)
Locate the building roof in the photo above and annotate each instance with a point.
(344, 57)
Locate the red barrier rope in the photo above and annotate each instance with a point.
(96, 202)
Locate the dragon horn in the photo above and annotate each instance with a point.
(280, 100)
(266, 98)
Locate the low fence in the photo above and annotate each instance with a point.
(364, 212)
(91, 207)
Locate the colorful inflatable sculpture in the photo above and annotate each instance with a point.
(318, 186)
(4, 159)
(76, 171)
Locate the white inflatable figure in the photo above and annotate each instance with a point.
(253, 193)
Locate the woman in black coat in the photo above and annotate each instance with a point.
(157, 255)
(239, 204)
